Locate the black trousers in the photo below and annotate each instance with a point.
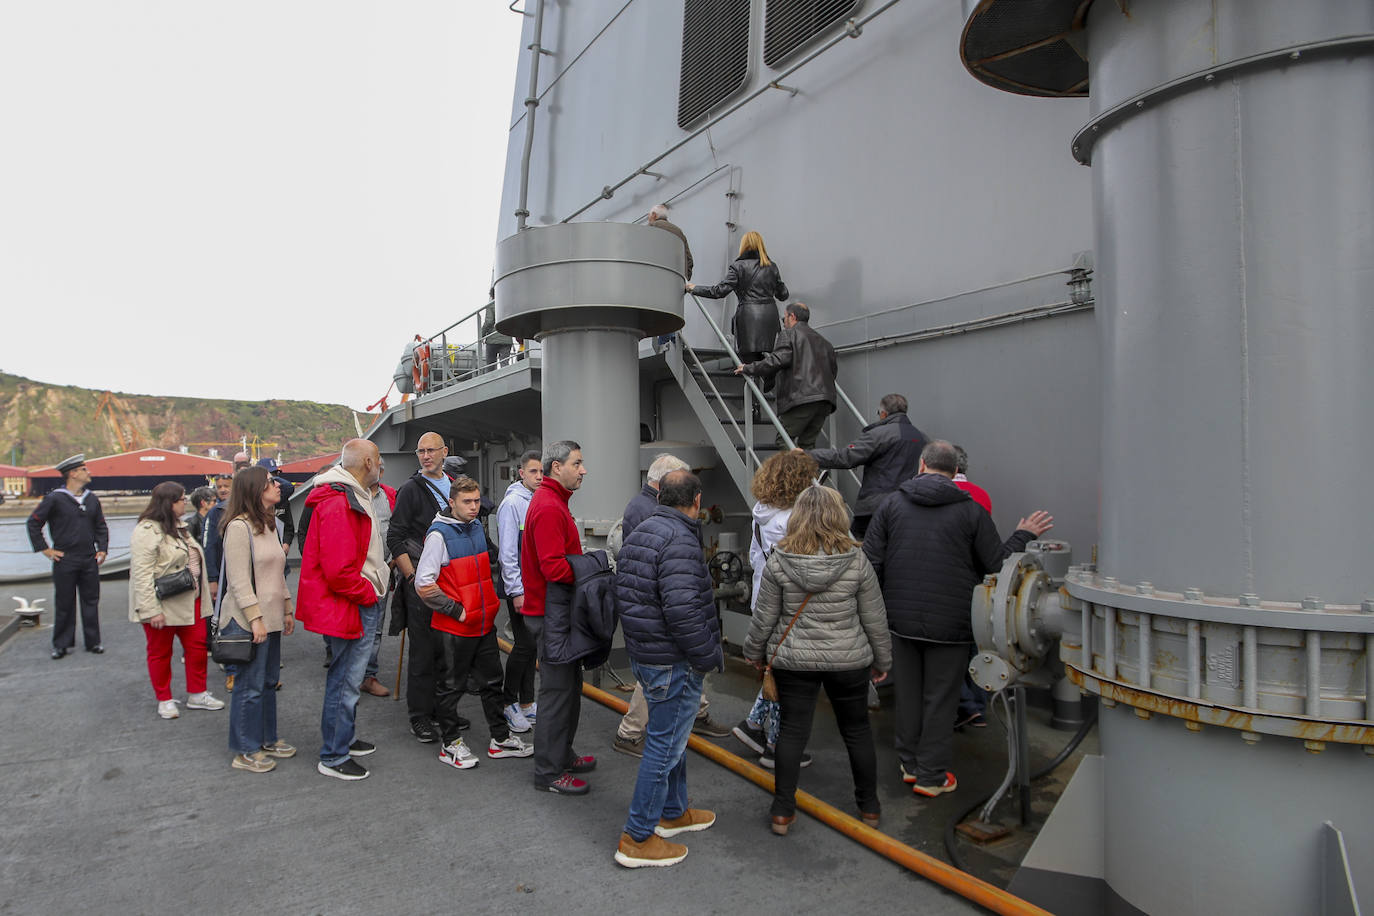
(848, 693)
(859, 527)
(560, 707)
(70, 575)
(926, 678)
(803, 423)
(425, 652)
(460, 657)
(519, 686)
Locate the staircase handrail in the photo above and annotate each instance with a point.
(749, 382)
(757, 392)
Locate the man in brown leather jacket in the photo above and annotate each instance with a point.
(804, 362)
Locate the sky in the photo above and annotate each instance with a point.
(246, 200)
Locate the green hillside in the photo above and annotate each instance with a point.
(42, 424)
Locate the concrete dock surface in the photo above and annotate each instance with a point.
(108, 808)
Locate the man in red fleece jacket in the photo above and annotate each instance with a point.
(550, 536)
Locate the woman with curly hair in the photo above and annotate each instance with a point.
(820, 621)
(776, 486)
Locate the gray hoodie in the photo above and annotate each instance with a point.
(842, 628)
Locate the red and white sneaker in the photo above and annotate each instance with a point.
(582, 764)
(949, 785)
(458, 755)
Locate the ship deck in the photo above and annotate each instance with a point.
(109, 808)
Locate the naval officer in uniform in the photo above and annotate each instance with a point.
(80, 541)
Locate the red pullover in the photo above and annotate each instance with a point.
(550, 535)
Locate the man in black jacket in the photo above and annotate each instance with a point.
(80, 540)
(418, 500)
(805, 365)
(931, 545)
(889, 450)
(672, 637)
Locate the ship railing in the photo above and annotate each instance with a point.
(470, 347)
(753, 394)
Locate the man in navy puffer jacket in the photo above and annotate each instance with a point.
(672, 636)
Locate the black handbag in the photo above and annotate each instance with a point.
(234, 649)
(174, 583)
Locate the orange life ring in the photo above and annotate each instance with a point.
(419, 369)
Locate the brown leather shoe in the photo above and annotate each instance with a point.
(781, 824)
(870, 819)
(375, 687)
(686, 822)
(654, 851)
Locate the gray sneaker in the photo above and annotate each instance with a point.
(631, 746)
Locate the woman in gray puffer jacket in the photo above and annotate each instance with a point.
(839, 641)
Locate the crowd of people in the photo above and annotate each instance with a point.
(842, 599)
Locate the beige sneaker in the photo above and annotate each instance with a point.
(653, 852)
(688, 821)
(253, 763)
(279, 749)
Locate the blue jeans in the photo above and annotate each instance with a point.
(673, 693)
(341, 687)
(374, 660)
(253, 701)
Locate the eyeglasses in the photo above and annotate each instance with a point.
(428, 451)
(179, 499)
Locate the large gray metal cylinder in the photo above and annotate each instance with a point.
(588, 292)
(1235, 253)
(591, 395)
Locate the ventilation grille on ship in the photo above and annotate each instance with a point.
(789, 24)
(715, 55)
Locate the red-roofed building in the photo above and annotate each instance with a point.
(302, 470)
(14, 481)
(139, 470)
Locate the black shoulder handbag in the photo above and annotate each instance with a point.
(232, 650)
(174, 583)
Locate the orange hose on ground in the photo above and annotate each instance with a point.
(947, 876)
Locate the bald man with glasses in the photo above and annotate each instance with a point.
(418, 500)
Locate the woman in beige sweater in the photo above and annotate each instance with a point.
(254, 599)
(160, 547)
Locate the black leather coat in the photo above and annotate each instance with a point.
(756, 321)
(805, 365)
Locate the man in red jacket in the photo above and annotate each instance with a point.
(550, 536)
(343, 578)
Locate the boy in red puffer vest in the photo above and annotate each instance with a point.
(454, 579)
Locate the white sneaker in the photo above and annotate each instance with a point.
(516, 719)
(511, 747)
(168, 709)
(458, 756)
(203, 700)
(529, 714)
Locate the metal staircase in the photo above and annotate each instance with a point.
(712, 391)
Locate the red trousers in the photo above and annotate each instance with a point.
(160, 657)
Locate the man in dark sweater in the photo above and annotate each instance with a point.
(668, 615)
(418, 501)
(931, 545)
(889, 452)
(80, 540)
